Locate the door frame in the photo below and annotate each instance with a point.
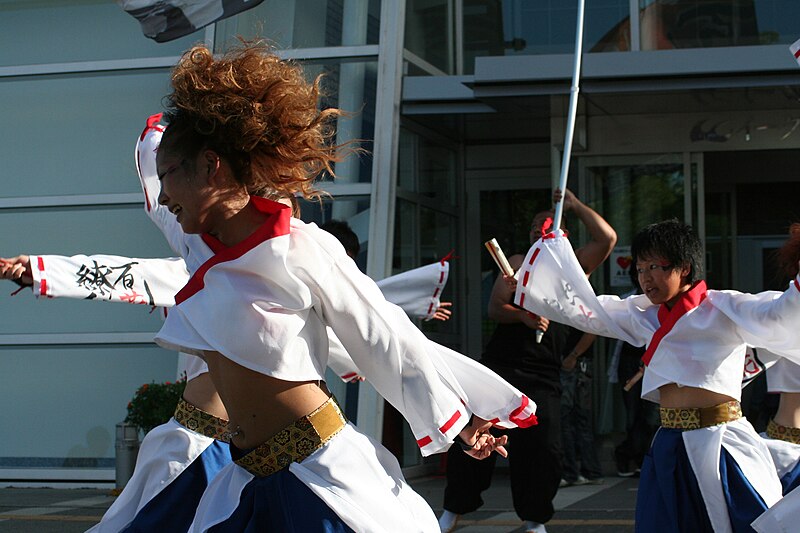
(477, 182)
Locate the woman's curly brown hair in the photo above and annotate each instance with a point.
(258, 112)
(789, 253)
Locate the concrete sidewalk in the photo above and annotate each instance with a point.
(602, 508)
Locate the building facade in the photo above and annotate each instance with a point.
(688, 109)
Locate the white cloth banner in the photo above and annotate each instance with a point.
(563, 294)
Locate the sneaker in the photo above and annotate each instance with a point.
(580, 481)
(595, 481)
(623, 468)
(448, 521)
(533, 527)
(564, 483)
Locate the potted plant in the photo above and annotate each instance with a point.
(154, 403)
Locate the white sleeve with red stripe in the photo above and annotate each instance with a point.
(417, 291)
(389, 350)
(109, 278)
(551, 283)
(405, 367)
(487, 394)
(769, 320)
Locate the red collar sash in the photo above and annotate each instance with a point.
(276, 224)
(669, 317)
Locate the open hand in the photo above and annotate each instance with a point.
(17, 269)
(442, 313)
(483, 443)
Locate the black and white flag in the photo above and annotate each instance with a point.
(165, 20)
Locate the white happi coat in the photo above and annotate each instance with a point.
(279, 289)
(486, 394)
(701, 343)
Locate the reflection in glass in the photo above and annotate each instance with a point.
(429, 32)
(629, 197)
(437, 172)
(406, 234)
(305, 23)
(667, 24)
(633, 196)
(350, 86)
(719, 239)
(426, 167)
(437, 235)
(406, 159)
(517, 27)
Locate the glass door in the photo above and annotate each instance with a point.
(497, 208)
(631, 192)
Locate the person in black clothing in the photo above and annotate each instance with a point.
(535, 456)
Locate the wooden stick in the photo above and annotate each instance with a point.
(634, 379)
(499, 257)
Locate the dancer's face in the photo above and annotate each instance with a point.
(185, 190)
(661, 282)
(536, 224)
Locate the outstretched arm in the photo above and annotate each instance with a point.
(101, 277)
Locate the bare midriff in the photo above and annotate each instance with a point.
(201, 392)
(260, 406)
(788, 413)
(673, 396)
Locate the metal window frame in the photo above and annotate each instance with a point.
(384, 178)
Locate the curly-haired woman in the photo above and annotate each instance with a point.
(263, 289)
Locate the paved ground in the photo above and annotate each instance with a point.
(606, 508)
(602, 508)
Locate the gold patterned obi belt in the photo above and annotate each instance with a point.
(700, 417)
(194, 418)
(784, 433)
(295, 442)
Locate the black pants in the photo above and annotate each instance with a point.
(534, 462)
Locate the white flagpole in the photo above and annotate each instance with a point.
(573, 110)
